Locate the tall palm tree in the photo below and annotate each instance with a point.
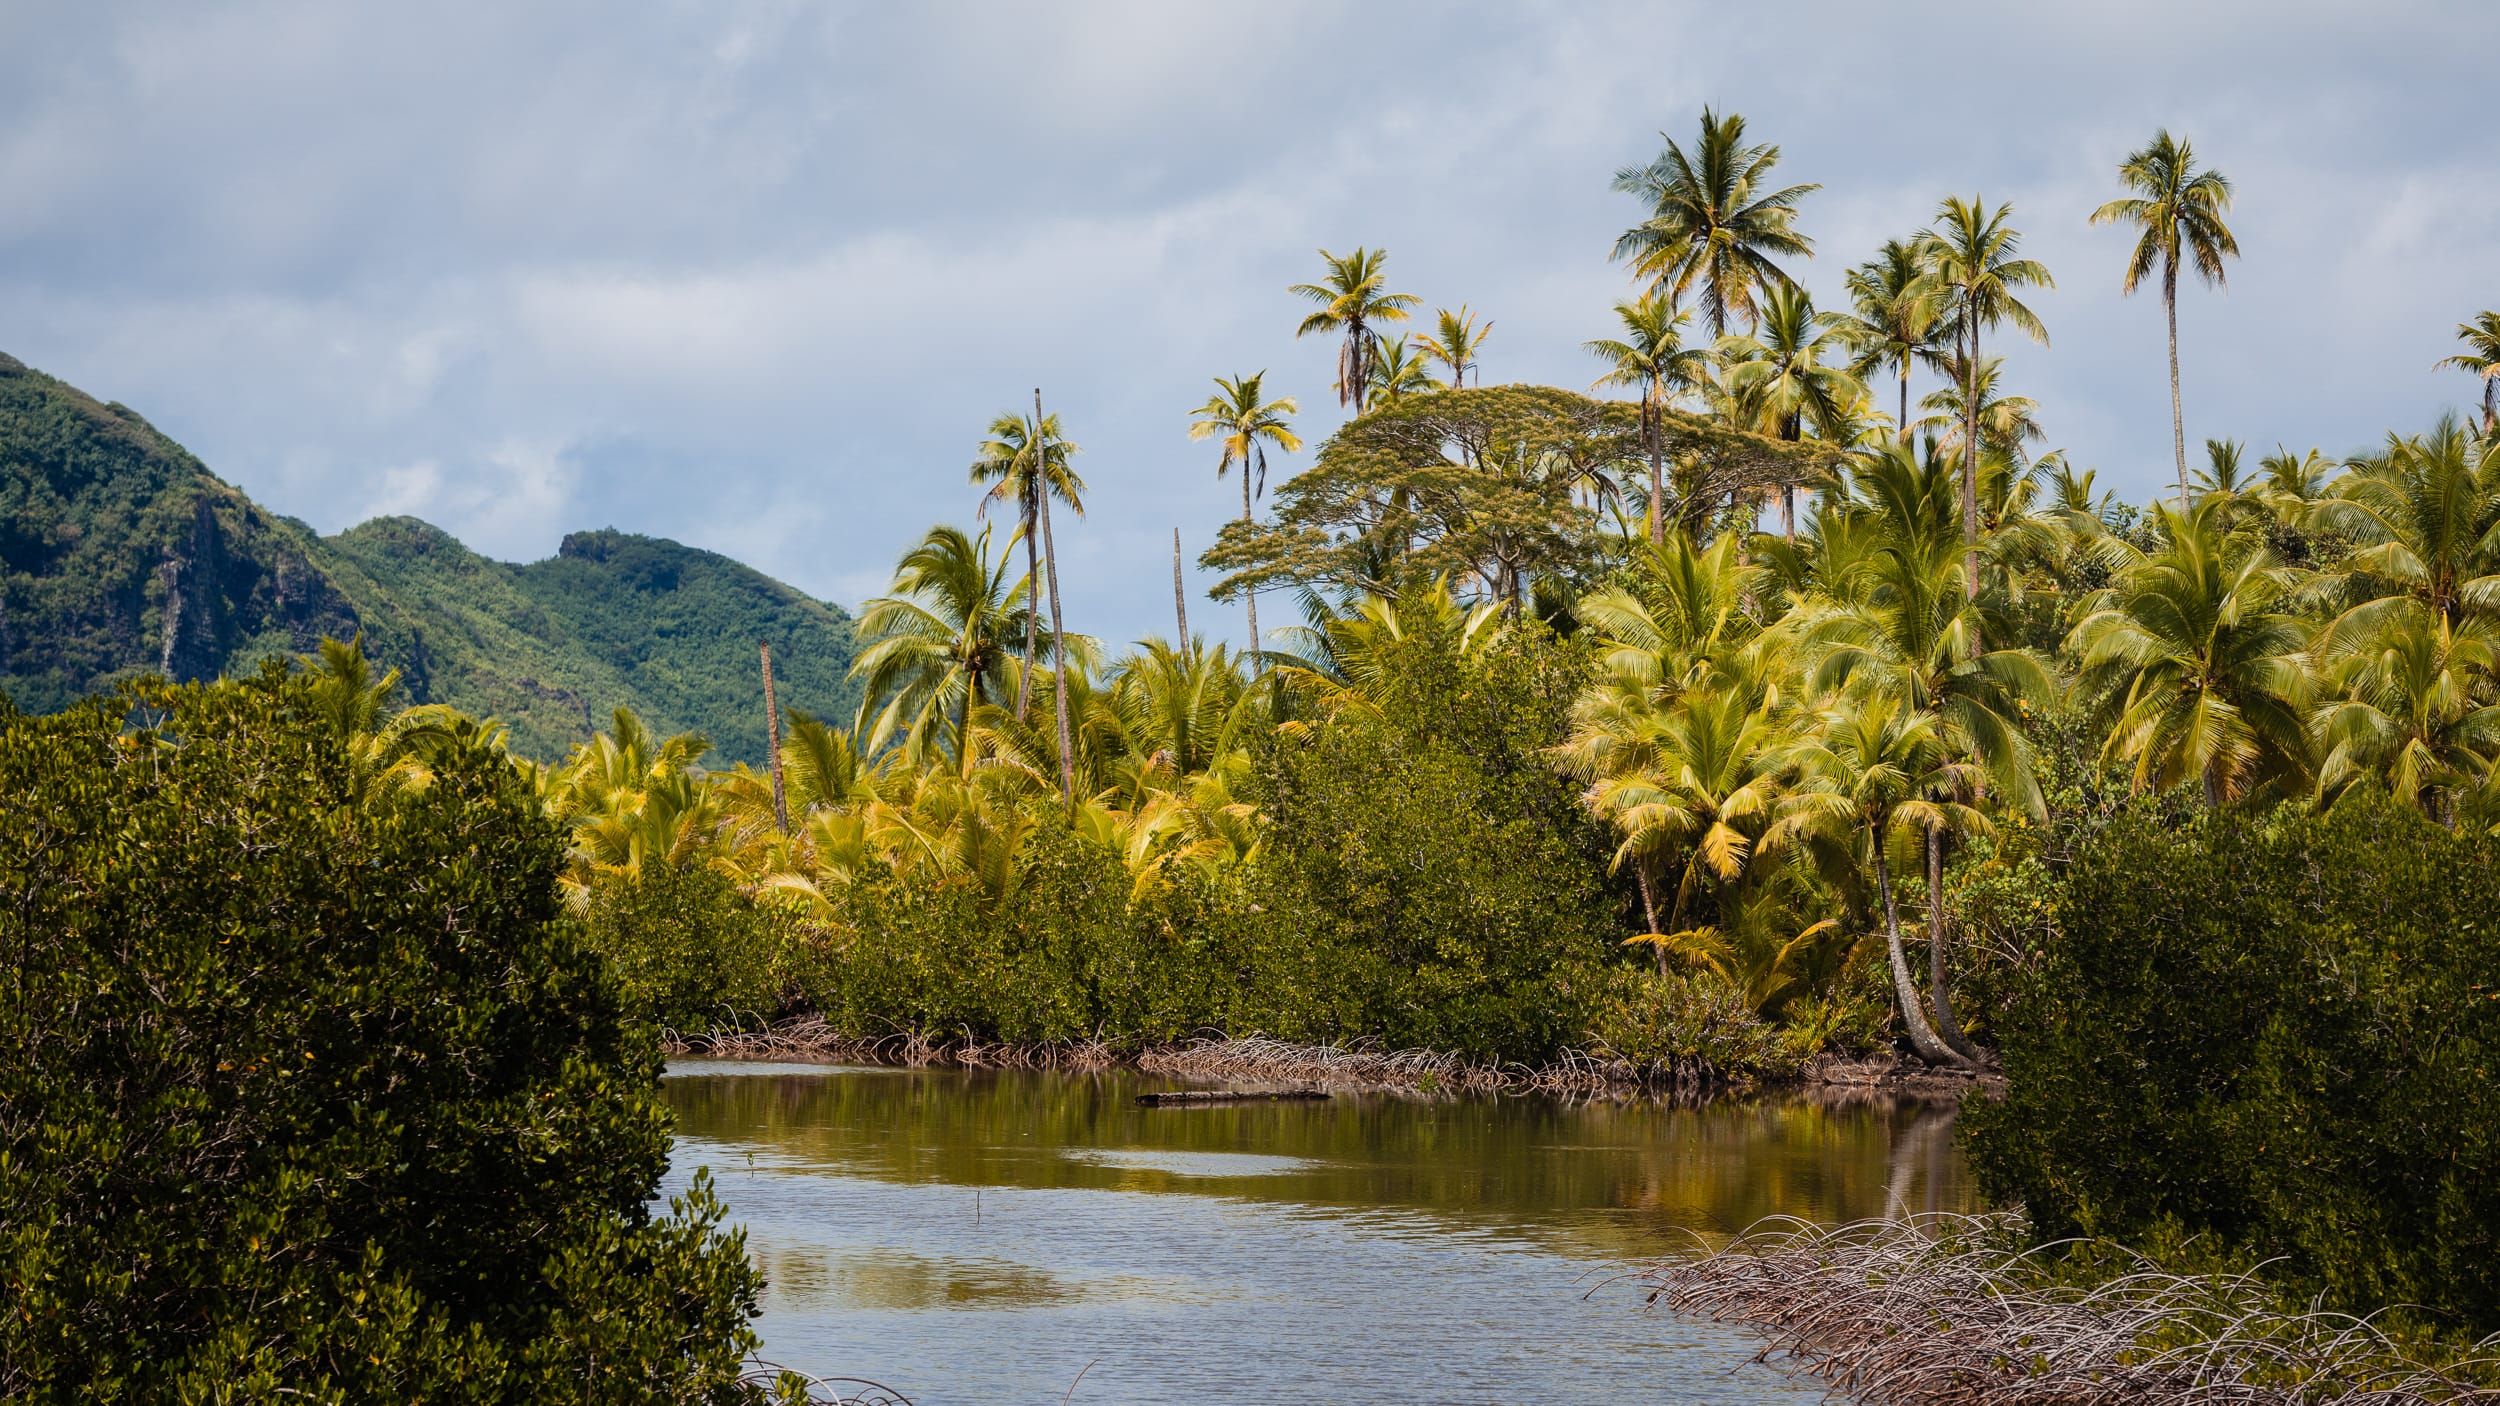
(1457, 344)
(2006, 422)
(2480, 359)
(1972, 254)
(1396, 374)
(2193, 661)
(1014, 473)
(939, 643)
(1714, 220)
(1790, 374)
(1651, 356)
(1243, 426)
(1898, 322)
(1353, 301)
(2179, 211)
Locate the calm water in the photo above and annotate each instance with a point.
(979, 1237)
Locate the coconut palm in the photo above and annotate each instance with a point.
(2424, 518)
(2408, 706)
(1898, 322)
(1244, 426)
(2480, 359)
(938, 645)
(2178, 211)
(1015, 474)
(1714, 221)
(1872, 778)
(2192, 660)
(1455, 343)
(1972, 255)
(1790, 373)
(1651, 357)
(2006, 422)
(1353, 301)
(1396, 374)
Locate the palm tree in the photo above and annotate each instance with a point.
(1713, 220)
(2179, 210)
(1651, 356)
(939, 642)
(1244, 426)
(2424, 518)
(1006, 462)
(1353, 301)
(1871, 779)
(1457, 345)
(1972, 255)
(2480, 359)
(1787, 375)
(2006, 422)
(2191, 659)
(1898, 323)
(2408, 707)
(1395, 375)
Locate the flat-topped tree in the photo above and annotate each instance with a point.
(1477, 484)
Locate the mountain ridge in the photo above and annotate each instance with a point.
(122, 554)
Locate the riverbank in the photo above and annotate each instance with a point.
(1575, 1073)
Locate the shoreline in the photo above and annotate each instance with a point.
(1825, 1078)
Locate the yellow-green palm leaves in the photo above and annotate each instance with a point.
(1714, 221)
(2481, 360)
(2410, 707)
(1456, 342)
(1354, 302)
(1245, 425)
(1651, 357)
(1973, 258)
(940, 644)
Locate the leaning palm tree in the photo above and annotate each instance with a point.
(1898, 322)
(1456, 344)
(2480, 359)
(1871, 780)
(938, 644)
(1972, 255)
(1353, 301)
(1651, 356)
(2179, 210)
(1788, 375)
(1243, 425)
(1014, 473)
(1714, 221)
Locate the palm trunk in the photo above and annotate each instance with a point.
(1657, 478)
(1939, 984)
(772, 738)
(1649, 907)
(1903, 424)
(1032, 606)
(2491, 412)
(1970, 459)
(1913, 1017)
(1251, 594)
(1058, 629)
(2178, 421)
(1180, 599)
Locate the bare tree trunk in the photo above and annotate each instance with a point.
(772, 737)
(1058, 629)
(1913, 1015)
(1649, 908)
(2178, 421)
(1032, 594)
(1939, 983)
(1903, 425)
(1180, 599)
(1788, 512)
(1250, 594)
(1658, 478)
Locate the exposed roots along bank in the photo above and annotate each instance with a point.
(1252, 1057)
(1947, 1309)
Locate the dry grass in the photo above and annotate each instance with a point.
(769, 1382)
(1947, 1311)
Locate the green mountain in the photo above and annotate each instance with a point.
(121, 555)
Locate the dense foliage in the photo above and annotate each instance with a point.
(122, 556)
(2278, 1031)
(310, 1089)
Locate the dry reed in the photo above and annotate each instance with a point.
(1946, 1310)
(770, 1382)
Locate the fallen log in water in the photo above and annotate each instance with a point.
(1183, 1096)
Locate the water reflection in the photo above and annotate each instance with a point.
(979, 1235)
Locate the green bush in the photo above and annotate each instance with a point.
(2276, 1032)
(691, 952)
(1701, 1024)
(311, 1090)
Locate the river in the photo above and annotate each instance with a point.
(983, 1237)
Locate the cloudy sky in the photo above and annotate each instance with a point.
(754, 274)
